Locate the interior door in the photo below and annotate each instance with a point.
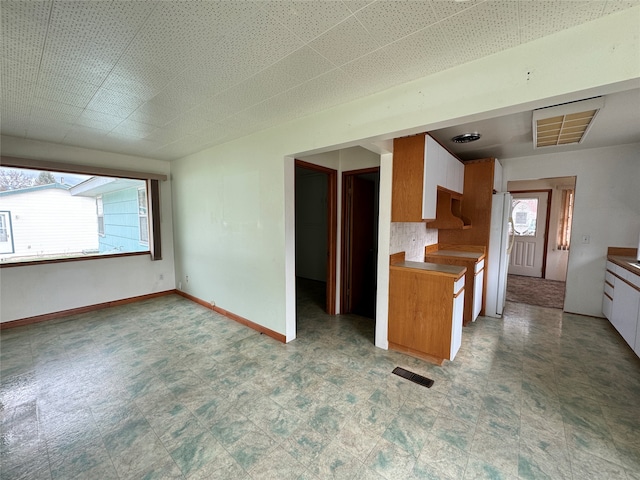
(529, 214)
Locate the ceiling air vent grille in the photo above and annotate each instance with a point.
(565, 124)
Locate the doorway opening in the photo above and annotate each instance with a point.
(542, 218)
(359, 246)
(316, 213)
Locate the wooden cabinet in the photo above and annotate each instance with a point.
(426, 306)
(472, 257)
(420, 166)
(480, 177)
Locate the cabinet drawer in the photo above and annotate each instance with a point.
(479, 265)
(607, 305)
(458, 285)
(610, 278)
(608, 289)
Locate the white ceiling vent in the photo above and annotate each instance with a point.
(564, 124)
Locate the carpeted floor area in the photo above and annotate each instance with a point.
(535, 291)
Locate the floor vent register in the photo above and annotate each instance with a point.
(413, 377)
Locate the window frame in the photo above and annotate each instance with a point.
(153, 203)
(100, 214)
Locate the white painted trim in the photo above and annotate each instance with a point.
(290, 247)
(384, 239)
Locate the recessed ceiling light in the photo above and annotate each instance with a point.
(466, 137)
(565, 124)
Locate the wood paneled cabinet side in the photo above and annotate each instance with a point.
(423, 318)
(476, 206)
(408, 179)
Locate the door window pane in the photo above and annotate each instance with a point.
(525, 216)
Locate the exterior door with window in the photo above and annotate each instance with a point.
(529, 215)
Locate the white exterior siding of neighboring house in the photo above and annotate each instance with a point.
(50, 221)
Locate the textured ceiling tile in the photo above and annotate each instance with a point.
(153, 114)
(56, 107)
(117, 104)
(47, 132)
(389, 20)
(183, 93)
(308, 19)
(375, 72)
(613, 6)
(16, 93)
(64, 83)
(331, 44)
(133, 128)
(142, 77)
(164, 135)
(78, 97)
(98, 120)
(26, 20)
(304, 64)
(483, 30)
(355, 5)
(447, 8)
(20, 50)
(87, 137)
(423, 53)
(264, 85)
(53, 116)
(545, 17)
(185, 125)
(16, 70)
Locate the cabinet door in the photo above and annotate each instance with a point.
(624, 315)
(637, 343)
(432, 177)
(478, 283)
(456, 325)
(455, 173)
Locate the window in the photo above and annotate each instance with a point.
(143, 218)
(566, 217)
(100, 213)
(66, 215)
(525, 216)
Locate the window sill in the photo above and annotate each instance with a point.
(71, 259)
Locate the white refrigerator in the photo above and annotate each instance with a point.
(500, 243)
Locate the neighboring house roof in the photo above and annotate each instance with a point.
(36, 188)
(95, 186)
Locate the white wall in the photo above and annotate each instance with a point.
(27, 291)
(607, 209)
(238, 249)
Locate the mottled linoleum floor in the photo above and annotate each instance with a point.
(168, 389)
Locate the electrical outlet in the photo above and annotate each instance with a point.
(187, 278)
(161, 276)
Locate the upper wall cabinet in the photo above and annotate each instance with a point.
(420, 165)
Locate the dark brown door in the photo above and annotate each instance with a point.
(361, 226)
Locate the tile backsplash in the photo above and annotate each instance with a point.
(411, 238)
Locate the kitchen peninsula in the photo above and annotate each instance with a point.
(426, 304)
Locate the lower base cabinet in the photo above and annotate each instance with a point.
(425, 310)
